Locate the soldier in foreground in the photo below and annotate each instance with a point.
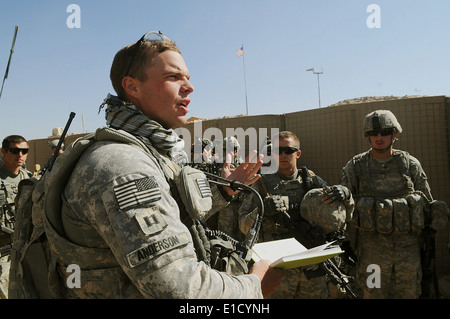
(394, 212)
(119, 206)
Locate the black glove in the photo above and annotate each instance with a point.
(274, 204)
(336, 192)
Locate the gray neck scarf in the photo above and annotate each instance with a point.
(126, 116)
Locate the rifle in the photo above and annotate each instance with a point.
(427, 256)
(310, 237)
(252, 236)
(8, 210)
(5, 250)
(60, 141)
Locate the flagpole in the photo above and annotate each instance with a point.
(318, 81)
(242, 52)
(245, 82)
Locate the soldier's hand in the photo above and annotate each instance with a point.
(246, 173)
(270, 278)
(335, 193)
(274, 204)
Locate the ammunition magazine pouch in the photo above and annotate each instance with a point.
(440, 214)
(401, 215)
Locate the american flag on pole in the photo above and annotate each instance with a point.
(137, 192)
(240, 51)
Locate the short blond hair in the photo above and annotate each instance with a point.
(142, 60)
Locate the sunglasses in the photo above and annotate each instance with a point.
(16, 150)
(288, 150)
(383, 132)
(153, 36)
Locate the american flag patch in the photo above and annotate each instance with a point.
(137, 192)
(203, 186)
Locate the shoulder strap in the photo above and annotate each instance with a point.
(307, 180)
(261, 184)
(402, 158)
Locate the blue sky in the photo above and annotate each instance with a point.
(56, 70)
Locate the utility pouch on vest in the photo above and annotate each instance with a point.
(218, 252)
(439, 214)
(365, 207)
(194, 190)
(383, 213)
(416, 207)
(224, 257)
(30, 253)
(402, 223)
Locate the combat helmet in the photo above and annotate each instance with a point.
(328, 219)
(54, 143)
(380, 119)
(230, 143)
(203, 142)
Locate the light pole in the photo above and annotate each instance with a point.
(318, 81)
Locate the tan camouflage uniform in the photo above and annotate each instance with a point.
(295, 284)
(385, 185)
(118, 202)
(10, 182)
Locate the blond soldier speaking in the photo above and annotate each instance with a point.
(119, 206)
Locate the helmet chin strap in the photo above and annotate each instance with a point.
(382, 150)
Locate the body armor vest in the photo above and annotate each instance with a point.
(387, 199)
(384, 180)
(293, 191)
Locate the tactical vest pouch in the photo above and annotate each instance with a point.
(194, 190)
(365, 208)
(439, 214)
(416, 207)
(30, 253)
(225, 258)
(402, 223)
(383, 213)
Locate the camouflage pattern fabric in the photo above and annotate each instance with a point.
(118, 200)
(396, 253)
(10, 182)
(295, 284)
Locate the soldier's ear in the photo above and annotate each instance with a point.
(130, 85)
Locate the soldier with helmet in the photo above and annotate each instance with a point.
(394, 206)
(283, 193)
(201, 151)
(53, 145)
(226, 220)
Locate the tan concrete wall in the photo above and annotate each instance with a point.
(331, 136)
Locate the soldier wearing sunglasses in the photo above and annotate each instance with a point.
(283, 194)
(12, 171)
(392, 197)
